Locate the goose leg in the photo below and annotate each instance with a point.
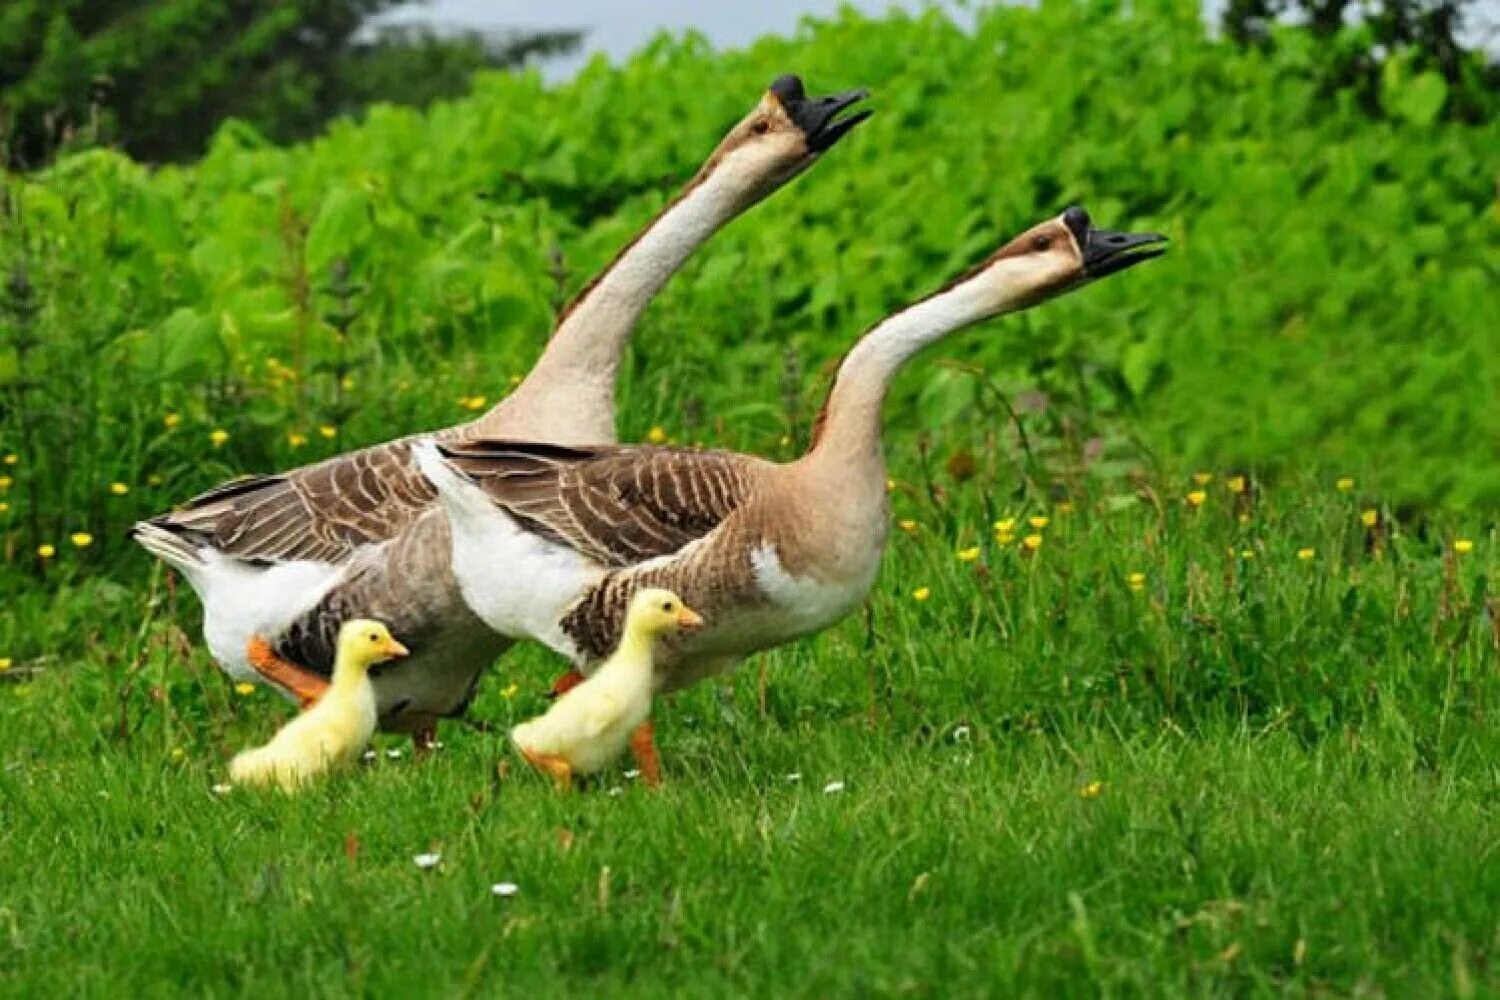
(424, 740)
(305, 685)
(643, 749)
(559, 769)
(566, 683)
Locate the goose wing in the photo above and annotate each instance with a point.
(616, 505)
(324, 512)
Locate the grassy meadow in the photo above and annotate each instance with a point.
(1181, 675)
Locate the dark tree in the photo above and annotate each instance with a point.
(157, 76)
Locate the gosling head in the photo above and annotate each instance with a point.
(782, 136)
(1054, 257)
(364, 643)
(654, 612)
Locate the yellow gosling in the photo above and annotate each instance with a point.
(336, 729)
(591, 724)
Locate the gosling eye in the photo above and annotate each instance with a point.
(667, 606)
(761, 126)
(374, 637)
(1041, 242)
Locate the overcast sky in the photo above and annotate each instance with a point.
(619, 27)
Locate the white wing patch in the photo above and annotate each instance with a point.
(804, 604)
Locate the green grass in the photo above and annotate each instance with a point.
(1295, 764)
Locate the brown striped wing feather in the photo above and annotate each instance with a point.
(616, 505)
(323, 512)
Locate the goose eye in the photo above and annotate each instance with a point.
(761, 127)
(1042, 242)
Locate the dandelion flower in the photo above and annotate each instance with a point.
(171, 420)
(347, 383)
(1136, 581)
(81, 539)
(1236, 484)
(510, 691)
(515, 380)
(296, 439)
(657, 435)
(1037, 522)
(1032, 542)
(1006, 524)
(6, 482)
(1196, 498)
(1091, 790)
(12, 458)
(244, 688)
(969, 554)
(1463, 546)
(921, 593)
(1203, 478)
(46, 550)
(1247, 553)
(1306, 555)
(119, 489)
(1369, 518)
(218, 436)
(5, 664)
(328, 431)
(177, 753)
(1344, 484)
(474, 402)
(4, 506)
(1004, 537)
(908, 525)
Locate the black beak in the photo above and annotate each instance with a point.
(818, 117)
(1106, 252)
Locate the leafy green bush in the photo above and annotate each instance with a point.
(1329, 303)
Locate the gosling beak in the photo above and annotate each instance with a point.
(818, 117)
(1105, 252)
(395, 650)
(689, 620)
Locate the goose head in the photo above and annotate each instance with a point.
(1054, 257)
(782, 136)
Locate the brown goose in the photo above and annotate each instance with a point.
(766, 552)
(281, 561)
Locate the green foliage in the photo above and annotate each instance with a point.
(159, 77)
(1325, 305)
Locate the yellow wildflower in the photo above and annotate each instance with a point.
(218, 436)
(1091, 790)
(1004, 537)
(46, 550)
(347, 384)
(890, 484)
(1032, 542)
(921, 593)
(515, 380)
(1369, 518)
(244, 687)
(1306, 554)
(328, 430)
(1463, 546)
(1195, 498)
(1136, 581)
(969, 554)
(509, 691)
(119, 489)
(12, 459)
(786, 441)
(154, 479)
(1243, 518)
(1236, 484)
(1344, 484)
(296, 439)
(177, 753)
(82, 539)
(473, 402)
(171, 420)
(1247, 553)
(5, 664)
(4, 506)
(1037, 521)
(1006, 524)
(908, 525)
(1203, 478)
(657, 435)
(6, 482)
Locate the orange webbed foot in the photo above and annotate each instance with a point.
(306, 686)
(560, 770)
(565, 683)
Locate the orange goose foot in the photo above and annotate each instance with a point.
(306, 686)
(643, 749)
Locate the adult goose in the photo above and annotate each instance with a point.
(280, 562)
(766, 552)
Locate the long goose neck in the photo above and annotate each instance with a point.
(847, 434)
(569, 396)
